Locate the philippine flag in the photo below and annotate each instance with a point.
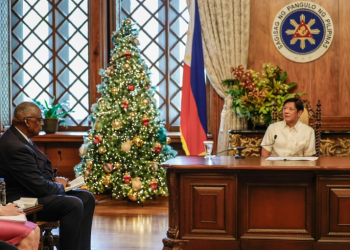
(193, 123)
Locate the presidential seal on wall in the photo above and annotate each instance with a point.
(302, 31)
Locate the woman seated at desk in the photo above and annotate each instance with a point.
(23, 235)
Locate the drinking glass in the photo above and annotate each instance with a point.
(208, 146)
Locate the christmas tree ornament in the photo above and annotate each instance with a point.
(108, 167)
(116, 124)
(98, 139)
(101, 150)
(142, 75)
(98, 125)
(83, 149)
(147, 80)
(84, 187)
(136, 183)
(126, 177)
(135, 41)
(168, 140)
(145, 101)
(147, 87)
(132, 115)
(114, 91)
(87, 173)
(127, 54)
(89, 164)
(131, 87)
(117, 165)
(109, 71)
(126, 66)
(94, 108)
(114, 58)
(126, 146)
(153, 165)
(100, 102)
(125, 103)
(145, 120)
(91, 136)
(157, 147)
(120, 54)
(132, 197)
(127, 21)
(106, 180)
(137, 141)
(154, 183)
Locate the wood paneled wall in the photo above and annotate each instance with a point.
(327, 78)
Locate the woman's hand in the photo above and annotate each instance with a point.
(10, 210)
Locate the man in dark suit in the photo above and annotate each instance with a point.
(28, 173)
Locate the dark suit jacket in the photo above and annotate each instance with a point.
(27, 170)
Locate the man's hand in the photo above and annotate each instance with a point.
(63, 181)
(10, 210)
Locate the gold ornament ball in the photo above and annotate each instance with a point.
(100, 102)
(168, 140)
(89, 164)
(126, 146)
(142, 74)
(132, 198)
(106, 180)
(114, 91)
(108, 167)
(120, 54)
(145, 101)
(117, 165)
(91, 136)
(136, 183)
(154, 167)
(101, 150)
(127, 21)
(136, 41)
(116, 124)
(98, 125)
(126, 66)
(132, 115)
(137, 141)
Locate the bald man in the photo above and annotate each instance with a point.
(28, 173)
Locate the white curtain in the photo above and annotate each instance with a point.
(225, 34)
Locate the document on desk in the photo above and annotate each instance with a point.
(291, 158)
(15, 218)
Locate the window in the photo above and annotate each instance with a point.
(50, 54)
(163, 29)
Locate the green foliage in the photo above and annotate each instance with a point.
(254, 94)
(54, 110)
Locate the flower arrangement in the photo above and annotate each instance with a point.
(254, 95)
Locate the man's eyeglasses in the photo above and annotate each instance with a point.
(40, 119)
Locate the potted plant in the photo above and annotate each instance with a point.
(254, 95)
(53, 115)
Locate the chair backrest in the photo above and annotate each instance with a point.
(309, 117)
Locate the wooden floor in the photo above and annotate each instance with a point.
(128, 225)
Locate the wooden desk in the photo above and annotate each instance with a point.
(248, 204)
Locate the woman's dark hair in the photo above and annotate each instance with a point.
(298, 104)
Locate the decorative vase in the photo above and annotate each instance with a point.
(50, 125)
(258, 121)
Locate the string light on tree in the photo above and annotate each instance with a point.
(127, 142)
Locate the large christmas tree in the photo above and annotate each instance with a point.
(127, 141)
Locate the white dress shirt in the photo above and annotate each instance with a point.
(296, 141)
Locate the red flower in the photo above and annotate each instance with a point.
(127, 179)
(145, 121)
